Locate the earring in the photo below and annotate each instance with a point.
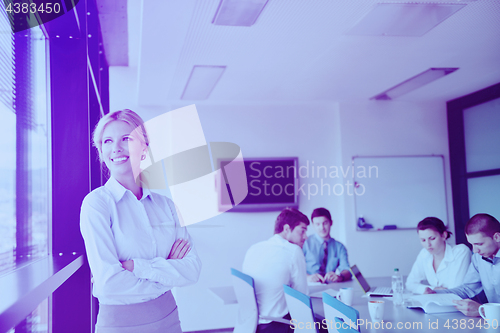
(143, 157)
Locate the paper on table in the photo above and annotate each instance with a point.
(319, 294)
(407, 297)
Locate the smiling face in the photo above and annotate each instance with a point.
(297, 235)
(483, 245)
(322, 226)
(432, 241)
(121, 149)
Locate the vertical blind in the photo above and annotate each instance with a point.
(6, 59)
(25, 163)
(8, 161)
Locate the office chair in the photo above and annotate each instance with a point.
(335, 308)
(248, 312)
(300, 308)
(343, 327)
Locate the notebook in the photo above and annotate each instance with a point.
(435, 303)
(370, 291)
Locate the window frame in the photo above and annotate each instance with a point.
(458, 167)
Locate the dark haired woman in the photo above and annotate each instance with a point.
(442, 265)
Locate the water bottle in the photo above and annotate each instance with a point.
(397, 287)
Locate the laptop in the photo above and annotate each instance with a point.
(373, 291)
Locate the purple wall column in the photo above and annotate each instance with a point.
(75, 169)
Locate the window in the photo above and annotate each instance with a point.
(24, 176)
(36, 322)
(474, 140)
(52, 167)
(482, 156)
(8, 145)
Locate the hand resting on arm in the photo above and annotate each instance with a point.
(179, 250)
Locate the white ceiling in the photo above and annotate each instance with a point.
(298, 50)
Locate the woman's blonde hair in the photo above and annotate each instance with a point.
(126, 115)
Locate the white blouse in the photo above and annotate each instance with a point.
(118, 227)
(450, 273)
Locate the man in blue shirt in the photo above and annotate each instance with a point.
(324, 255)
(483, 232)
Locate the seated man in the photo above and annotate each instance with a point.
(324, 255)
(483, 232)
(275, 262)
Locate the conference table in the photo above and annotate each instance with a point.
(398, 318)
(395, 319)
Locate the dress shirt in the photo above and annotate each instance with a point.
(272, 264)
(118, 227)
(450, 273)
(481, 275)
(314, 253)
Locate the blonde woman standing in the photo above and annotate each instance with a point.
(136, 247)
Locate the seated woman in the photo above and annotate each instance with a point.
(136, 247)
(442, 265)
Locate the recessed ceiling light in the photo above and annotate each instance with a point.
(413, 83)
(238, 12)
(202, 81)
(404, 19)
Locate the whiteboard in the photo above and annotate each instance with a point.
(399, 190)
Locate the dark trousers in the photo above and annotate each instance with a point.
(276, 327)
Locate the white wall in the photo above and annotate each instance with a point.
(390, 128)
